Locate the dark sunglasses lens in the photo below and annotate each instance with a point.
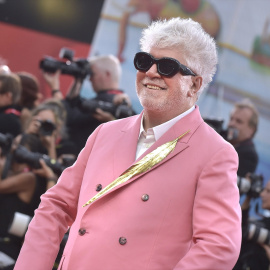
(143, 61)
(168, 67)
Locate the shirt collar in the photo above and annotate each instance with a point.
(161, 129)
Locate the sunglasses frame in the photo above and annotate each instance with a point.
(184, 70)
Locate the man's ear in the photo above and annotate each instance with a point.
(196, 85)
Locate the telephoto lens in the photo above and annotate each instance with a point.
(258, 234)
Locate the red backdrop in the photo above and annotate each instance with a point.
(22, 49)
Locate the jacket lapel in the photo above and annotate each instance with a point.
(189, 123)
(124, 155)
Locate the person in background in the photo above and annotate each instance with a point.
(21, 186)
(48, 122)
(10, 92)
(66, 150)
(83, 116)
(45, 123)
(152, 191)
(242, 126)
(255, 249)
(31, 96)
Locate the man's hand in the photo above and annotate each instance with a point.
(267, 251)
(45, 171)
(53, 79)
(2, 164)
(246, 203)
(120, 98)
(103, 116)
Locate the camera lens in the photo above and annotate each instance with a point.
(47, 127)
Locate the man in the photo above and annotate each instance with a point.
(244, 121)
(84, 116)
(155, 191)
(10, 91)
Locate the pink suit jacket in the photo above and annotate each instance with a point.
(182, 214)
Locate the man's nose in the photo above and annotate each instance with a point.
(231, 123)
(152, 71)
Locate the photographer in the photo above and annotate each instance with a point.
(31, 95)
(10, 92)
(242, 127)
(255, 249)
(20, 189)
(83, 116)
(48, 122)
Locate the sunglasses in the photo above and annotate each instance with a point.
(166, 66)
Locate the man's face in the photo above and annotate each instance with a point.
(239, 120)
(35, 123)
(159, 94)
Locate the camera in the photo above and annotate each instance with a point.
(120, 111)
(23, 155)
(79, 68)
(217, 124)
(68, 161)
(256, 233)
(252, 188)
(5, 143)
(19, 224)
(46, 128)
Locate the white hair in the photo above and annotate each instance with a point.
(188, 38)
(108, 63)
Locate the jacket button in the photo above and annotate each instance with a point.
(145, 197)
(82, 231)
(122, 240)
(99, 187)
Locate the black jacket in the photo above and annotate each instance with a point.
(10, 120)
(248, 157)
(80, 122)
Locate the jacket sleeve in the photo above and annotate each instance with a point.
(216, 216)
(57, 211)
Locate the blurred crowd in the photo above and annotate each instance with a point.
(40, 137)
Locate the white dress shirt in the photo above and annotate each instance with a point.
(146, 139)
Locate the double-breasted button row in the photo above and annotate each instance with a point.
(145, 197)
(122, 240)
(99, 187)
(82, 231)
